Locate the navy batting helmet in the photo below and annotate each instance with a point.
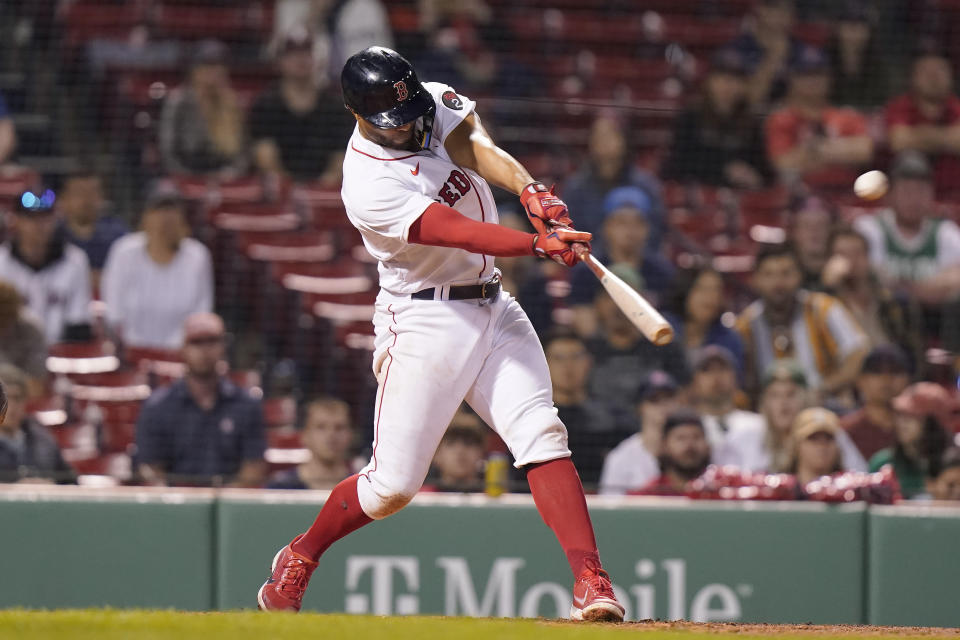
(380, 86)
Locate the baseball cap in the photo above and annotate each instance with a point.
(911, 165)
(202, 325)
(809, 61)
(885, 358)
(628, 198)
(35, 203)
(711, 353)
(815, 420)
(785, 370)
(657, 381)
(163, 193)
(681, 417)
(297, 38)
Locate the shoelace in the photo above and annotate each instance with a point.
(599, 583)
(293, 579)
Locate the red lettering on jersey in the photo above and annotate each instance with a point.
(456, 181)
(401, 88)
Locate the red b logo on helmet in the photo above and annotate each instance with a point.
(401, 88)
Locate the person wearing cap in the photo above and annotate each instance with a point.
(623, 243)
(297, 125)
(789, 322)
(911, 246)
(684, 455)
(458, 462)
(632, 464)
(156, 277)
(591, 429)
(712, 393)
(922, 415)
(201, 129)
(28, 451)
(328, 435)
(927, 118)
(885, 374)
(21, 339)
(856, 52)
(814, 449)
(717, 140)
(767, 447)
(851, 279)
(808, 137)
(51, 275)
(943, 481)
(202, 429)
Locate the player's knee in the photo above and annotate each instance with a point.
(383, 497)
(389, 503)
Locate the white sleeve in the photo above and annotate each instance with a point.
(78, 306)
(452, 108)
(844, 329)
(205, 297)
(948, 245)
(387, 208)
(111, 285)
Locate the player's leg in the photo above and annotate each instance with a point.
(513, 394)
(424, 362)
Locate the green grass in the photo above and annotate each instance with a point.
(108, 624)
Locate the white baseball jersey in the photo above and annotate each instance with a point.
(386, 190)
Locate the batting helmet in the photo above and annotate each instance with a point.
(381, 87)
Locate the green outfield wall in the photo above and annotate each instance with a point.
(470, 555)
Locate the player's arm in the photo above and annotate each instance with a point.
(470, 146)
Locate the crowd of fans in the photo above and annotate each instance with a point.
(832, 348)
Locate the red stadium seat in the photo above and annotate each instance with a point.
(82, 358)
(249, 20)
(280, 411)
(287, 246)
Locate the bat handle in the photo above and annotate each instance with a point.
(583, 252)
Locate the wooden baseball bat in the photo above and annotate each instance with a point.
(640, 312)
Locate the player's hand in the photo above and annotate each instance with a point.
(542, 204)
(556, 245)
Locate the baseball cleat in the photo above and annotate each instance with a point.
(593, 598)
(289, 575)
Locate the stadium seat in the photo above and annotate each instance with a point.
(287, 246)
(280, 411)
(75, 359)
(241, 21)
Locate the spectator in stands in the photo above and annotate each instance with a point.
(856, 54)
(201, 127)
(811, 221)
(202, 429)
(885, 374)
(695, 309)
(718, 140)
(610, 165)
(327, 433)
(28, 452)
(788, 322)
(458, 462)
(155, 278)
(591, 430)
(713, 393)
(84, 221)
(809, 138)
(927, 118)
(767, 447)
(298, 126)
(632, 464)
(944, 483)
(622, 241)
(814, 441)
(768, 49)
(920, 431)
(8, 134)
(21, 339)
(623, 358)
(52, 275)
(849, 276)
(684, 455)
(910, 246)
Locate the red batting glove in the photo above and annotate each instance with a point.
(542, 204)
(556, 245)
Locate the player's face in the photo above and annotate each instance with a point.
(782, 401)
(401, 137)
(687, 449)
(912, 200)
(327, 434)
(818, 453)
(947, 485)
(777, 281)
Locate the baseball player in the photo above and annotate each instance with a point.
(415, 184)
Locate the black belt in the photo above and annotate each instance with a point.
(485, 291)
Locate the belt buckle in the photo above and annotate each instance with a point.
(483, 288)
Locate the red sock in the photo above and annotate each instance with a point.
(558, 495)
(341, 514)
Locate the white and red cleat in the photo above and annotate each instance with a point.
(290, 574)
(593, 598)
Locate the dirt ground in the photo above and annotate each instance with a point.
(795, 629)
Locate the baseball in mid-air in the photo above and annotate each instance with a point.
(872, 185)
